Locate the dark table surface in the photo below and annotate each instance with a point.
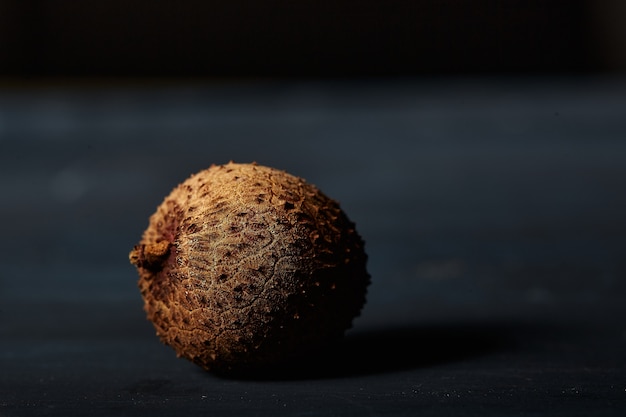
(494, 214)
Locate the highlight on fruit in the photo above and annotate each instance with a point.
(243, 267)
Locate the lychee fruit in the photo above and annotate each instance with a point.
(244, 267)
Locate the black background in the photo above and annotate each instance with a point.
(277, 38)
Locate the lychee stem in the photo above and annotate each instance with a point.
(151, 256)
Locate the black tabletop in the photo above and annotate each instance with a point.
(493, 212)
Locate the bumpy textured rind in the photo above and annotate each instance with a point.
(243, 266)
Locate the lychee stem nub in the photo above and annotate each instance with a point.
(151, 256)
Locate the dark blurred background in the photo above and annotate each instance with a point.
(278, 38)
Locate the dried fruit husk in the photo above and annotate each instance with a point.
(244, 266)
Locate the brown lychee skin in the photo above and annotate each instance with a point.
(244, 266)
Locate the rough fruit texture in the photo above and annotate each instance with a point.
(244, 266)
